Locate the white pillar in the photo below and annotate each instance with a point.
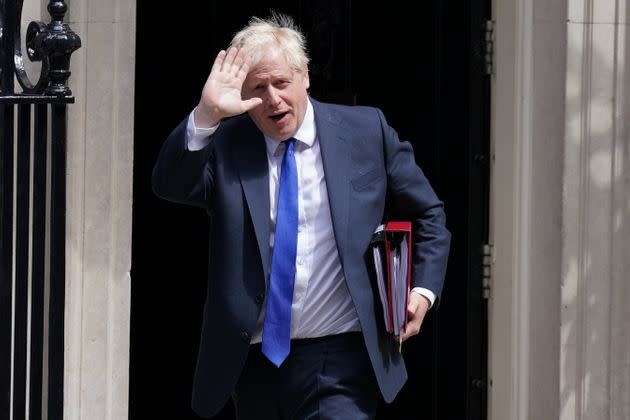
(559, 312)
(595, 352)
(100, 158)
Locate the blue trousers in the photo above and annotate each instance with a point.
(323, 378)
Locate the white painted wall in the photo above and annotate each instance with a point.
(511, 189)
(559, 313)
(595, 345)
(100, 158)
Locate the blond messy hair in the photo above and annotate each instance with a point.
(278, 29)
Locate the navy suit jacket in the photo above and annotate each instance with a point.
(369, 173)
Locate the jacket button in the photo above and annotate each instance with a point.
(245, 336)
(259, 298)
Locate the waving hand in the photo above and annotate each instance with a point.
(221, 95)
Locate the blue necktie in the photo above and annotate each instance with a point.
(276, 337)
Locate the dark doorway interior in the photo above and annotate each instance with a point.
(425, 71)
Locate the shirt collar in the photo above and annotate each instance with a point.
(305, 134)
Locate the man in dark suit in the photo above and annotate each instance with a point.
(294, 188)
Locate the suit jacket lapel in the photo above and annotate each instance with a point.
(336, 160)
(251, 156)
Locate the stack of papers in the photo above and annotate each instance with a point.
(392, 265)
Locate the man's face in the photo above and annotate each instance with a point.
(283, 93)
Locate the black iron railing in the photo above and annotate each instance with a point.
(32, 212)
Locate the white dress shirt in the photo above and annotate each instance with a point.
(321, 302)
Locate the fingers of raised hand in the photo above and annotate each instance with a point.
(218, 61)
(238, 62)
(251, 103)
(228, 61)
(243, 70)
(233, 61)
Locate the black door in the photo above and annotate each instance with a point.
(426, 72)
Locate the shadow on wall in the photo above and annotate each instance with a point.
(595, 317)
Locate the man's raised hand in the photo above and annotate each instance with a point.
(221, 95)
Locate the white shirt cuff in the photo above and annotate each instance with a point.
(197, 137)
(426, 293)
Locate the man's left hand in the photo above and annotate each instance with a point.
(416, 310)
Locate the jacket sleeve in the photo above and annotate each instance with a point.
(411, 197)
(181, 175)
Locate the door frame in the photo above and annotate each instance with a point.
(525, 303)
(511, 165)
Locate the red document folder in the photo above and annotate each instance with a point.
(392, 262)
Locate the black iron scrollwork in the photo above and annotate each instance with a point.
(52, 44)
